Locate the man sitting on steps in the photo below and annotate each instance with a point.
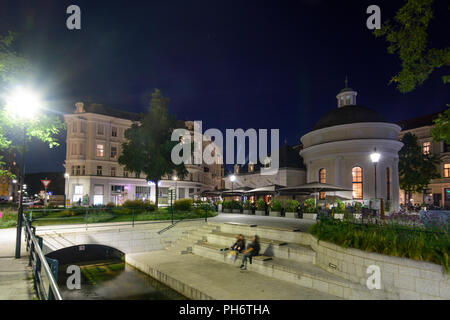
(251, 251)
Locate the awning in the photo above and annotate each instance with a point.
(265, 190)
(313, 187)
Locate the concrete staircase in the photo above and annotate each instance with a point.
(279, 258)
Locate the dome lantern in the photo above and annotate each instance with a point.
(346, 96)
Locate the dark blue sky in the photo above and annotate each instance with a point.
(232, 64)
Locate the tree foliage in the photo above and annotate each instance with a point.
(416, 169)
(15, 68)
(148, 143)
(407, 36)
(441, 128)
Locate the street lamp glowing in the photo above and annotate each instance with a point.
(375, 156)
(175, 178)
(232, 178)
(66, 175)
(23, 103)
(14, 181)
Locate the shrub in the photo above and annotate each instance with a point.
(247, 205)
(149, 205)
(357, 207)
(236, 205)
(276, 205)
(309, 206)
(227, 204)
(260, 205)
(340, 207)
(110, 205)
(99, 217)
(183, 205)
(389, 239)
(291, 205)
(133, 203)
(122, 211)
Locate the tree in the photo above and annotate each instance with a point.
(148, 144)
(407, 36)
(416, 169)
(16, 69)
(441, 128)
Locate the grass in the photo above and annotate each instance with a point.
(78, 216)
(425, 244)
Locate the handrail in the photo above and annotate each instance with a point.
(174, 224)
(43, 260)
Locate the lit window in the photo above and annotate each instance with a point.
(446, 170)
(114, 131)
(322, 179)
(100, 150)
(113, 152)
(99, 170)
(426, 147)
(250, 167)
(78, 189)
(357, 183)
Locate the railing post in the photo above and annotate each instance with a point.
(86, 218)
(132, 213)
(53, 264)
(206, 213)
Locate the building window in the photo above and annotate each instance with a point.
(113, 171)
(446, 170)
(251, 167)
(78, 170)
(388, 183)
(357, 183)
(322, 179)
(74, 127)
(81, 148)
(446, 147)
(100, 129)
(125, 173)
(99, 170)
(426, 147)
(74, 149)
(113, 152)
(73, 170)
(78, 189)
(83, 170)
(100, 150)
(83, 127)
(114, 132)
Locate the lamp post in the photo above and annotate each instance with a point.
(232, 179)
(67, 193)
(175, 178)
(375, 157)
(22, 105)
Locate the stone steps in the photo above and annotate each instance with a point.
(305, 274)
(269, 247)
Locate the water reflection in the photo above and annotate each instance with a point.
(114, 280)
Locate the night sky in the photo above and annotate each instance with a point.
(233, 64)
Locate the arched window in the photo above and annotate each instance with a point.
(388, 183)
(322, 179)
(357, 183)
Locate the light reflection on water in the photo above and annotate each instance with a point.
(125, 284)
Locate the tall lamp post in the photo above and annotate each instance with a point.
(175, 178)
(22, 105)
(375, 157)
(67, 193)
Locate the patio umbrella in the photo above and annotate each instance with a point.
(313, 187)
(265, 190)
(235, 192)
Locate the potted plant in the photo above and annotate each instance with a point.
(219, 206)
(260, 208)
(357, 209)
(236, 207)
(275, 208)
(339, 210)
(247, 207)
(227, 206)
(309, 209)
(291, 209)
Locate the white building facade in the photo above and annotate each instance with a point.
(93, 174)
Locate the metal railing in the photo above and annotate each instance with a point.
(44, 282)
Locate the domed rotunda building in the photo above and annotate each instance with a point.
(337, 151)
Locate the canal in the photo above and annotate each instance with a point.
(106, 276)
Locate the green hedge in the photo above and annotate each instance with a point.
(247, 205)
(276, 205)
(309, 206)
(260, 205)
(183, 205)
(391, 239)
(227, 204)
(291, 205)
(236, 205)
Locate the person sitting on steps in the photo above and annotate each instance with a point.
(251, 251)
(238, 246)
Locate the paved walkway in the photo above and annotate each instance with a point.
(218, 280)
(301, 224)
(15, 276)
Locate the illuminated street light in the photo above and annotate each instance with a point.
(375, 157)
(232, 179)
(67, 193)
(22, 104)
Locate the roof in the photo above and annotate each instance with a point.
(422, 121)
(348, 114)
(108, 111)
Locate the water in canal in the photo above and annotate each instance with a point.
(114, 279)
